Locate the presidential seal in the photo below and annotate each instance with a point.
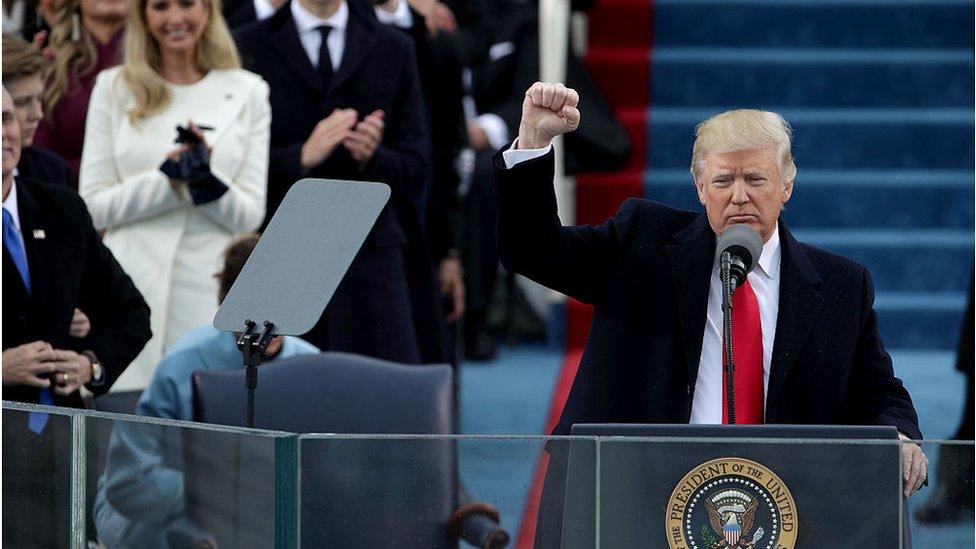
(731, 503)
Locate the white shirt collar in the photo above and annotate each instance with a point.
(770, 258)
(263, 9)
(306, 21)
(401, 18)
(10, 204)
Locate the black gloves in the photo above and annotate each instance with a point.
(193, 166)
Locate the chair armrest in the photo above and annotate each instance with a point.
(477, 523)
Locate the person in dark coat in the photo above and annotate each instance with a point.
(54, 266)
(241, 12)
(22, 67)
(433, 241)
(349, 106)
(810, 352)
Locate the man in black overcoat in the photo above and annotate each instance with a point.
(346, 104)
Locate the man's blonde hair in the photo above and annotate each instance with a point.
(743, 129)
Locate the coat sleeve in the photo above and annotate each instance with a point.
(118, 313)
(874, 395)
(241, 208)
(111, 199)
(403, 158)
(139, 483)
(531, 240)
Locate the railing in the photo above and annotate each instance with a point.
(140, 480)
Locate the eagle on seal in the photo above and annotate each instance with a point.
(732, 530)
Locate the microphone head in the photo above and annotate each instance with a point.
(743, 241)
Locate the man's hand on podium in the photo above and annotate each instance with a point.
(914, 465)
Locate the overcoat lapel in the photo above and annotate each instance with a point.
(691, 259)
(39, 250)
(284, 38)
(799, 308)
(359, 41)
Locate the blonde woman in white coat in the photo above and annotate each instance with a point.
(181, 68)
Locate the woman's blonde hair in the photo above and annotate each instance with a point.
(74, 55)
(140, 70)
(743, 129)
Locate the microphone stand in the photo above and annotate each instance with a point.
(728, 286)
(253, 346)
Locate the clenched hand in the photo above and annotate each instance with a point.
(547, 111)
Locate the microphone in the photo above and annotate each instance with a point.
(744, 246)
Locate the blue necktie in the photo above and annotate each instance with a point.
(11, 241)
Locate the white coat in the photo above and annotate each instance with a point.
(170, 247)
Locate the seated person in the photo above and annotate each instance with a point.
(141, 492)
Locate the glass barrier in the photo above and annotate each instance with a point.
(128, 481)
(124, 481)
(941, 514)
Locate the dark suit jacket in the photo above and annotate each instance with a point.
(378, 71)
(647, 273)
(38, 164)
(69, 267)
(238, 13)
(431, 235)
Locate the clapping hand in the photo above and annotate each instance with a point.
(365, 138)
(326, 136)
(547, 111)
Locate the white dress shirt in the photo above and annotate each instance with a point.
(706, 406)
(10, 204)
(308, 23)
(400, 17)
(263, 9)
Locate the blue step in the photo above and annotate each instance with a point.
(903, 260)
(920, 321)
(682, 77)
(836, 138)
(855, 199)
(814, 23)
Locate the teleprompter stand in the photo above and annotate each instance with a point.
(297, 265)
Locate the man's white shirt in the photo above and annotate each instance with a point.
(10, 204)
(308, 24)
(400, 17)
(706, 405)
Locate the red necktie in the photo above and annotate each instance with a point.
(747, 350)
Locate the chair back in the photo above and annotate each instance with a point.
(355, 493)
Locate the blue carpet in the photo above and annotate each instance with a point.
(510, 396)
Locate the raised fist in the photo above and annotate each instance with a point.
(548, 110)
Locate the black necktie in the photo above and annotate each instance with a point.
(325, 60)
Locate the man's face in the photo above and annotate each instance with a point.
(28, 94)
(11, 137)
(743, 187)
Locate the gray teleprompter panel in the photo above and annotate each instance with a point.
(303, 255)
